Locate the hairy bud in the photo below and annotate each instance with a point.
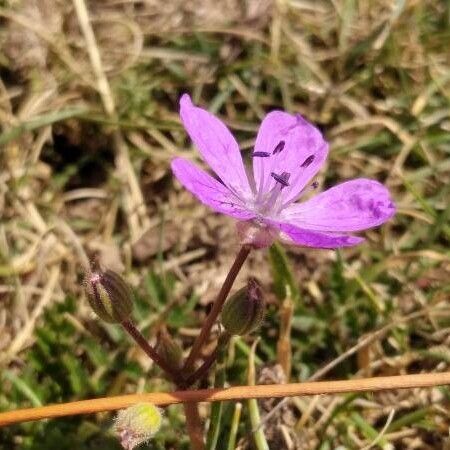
(244, 311)
(137, 424)
(170, 350)
(109, 296)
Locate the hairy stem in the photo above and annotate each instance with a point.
(151, 352)
(216, 308)
(194, 426)
(193, 421)
(203, 370)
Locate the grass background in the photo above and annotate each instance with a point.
(86, 170)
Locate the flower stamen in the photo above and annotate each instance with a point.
(308, 161)
(279, 148)
(283, 179)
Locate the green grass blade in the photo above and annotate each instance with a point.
(283, 278)
(255, 417)
(23, 387)
(39, 122)
(234, 426)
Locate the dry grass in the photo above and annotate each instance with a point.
(85, 146)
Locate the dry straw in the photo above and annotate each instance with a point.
(231, 393)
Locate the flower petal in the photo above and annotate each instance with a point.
(208, 190)
(295, 147)
(217, 146)
(308, 238)
(351, 206)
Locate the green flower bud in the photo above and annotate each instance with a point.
(137, 424)
(170, 350)
(244, 311)
(109, 296)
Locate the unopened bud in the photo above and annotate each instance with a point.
(137, 424)
(170, 350)
(244, 311)
(109, 296)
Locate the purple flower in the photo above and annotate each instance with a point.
(288, 152)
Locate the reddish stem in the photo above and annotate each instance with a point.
(194, 426)
(151, 352)
(203, 370)
(216, 308)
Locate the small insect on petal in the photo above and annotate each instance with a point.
(279, 148)
(260, 155)
(308, 161)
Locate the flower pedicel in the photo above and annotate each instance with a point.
(288, 152)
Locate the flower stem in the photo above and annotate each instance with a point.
(193, 421)
(194, 426)
(216, 308)
(151, 352)
(202, 371)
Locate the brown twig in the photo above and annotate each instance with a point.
(231, 393)
(216, 308)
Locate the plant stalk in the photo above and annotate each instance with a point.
(194, 426)
(151, 352)
(203, 370)
(216, 308)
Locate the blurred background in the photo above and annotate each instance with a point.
(89, 123)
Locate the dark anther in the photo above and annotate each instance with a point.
(260, 155)
(308, 161)
(283, 179)
(279, 147)
(315, 185)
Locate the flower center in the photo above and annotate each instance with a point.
(268, 203)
